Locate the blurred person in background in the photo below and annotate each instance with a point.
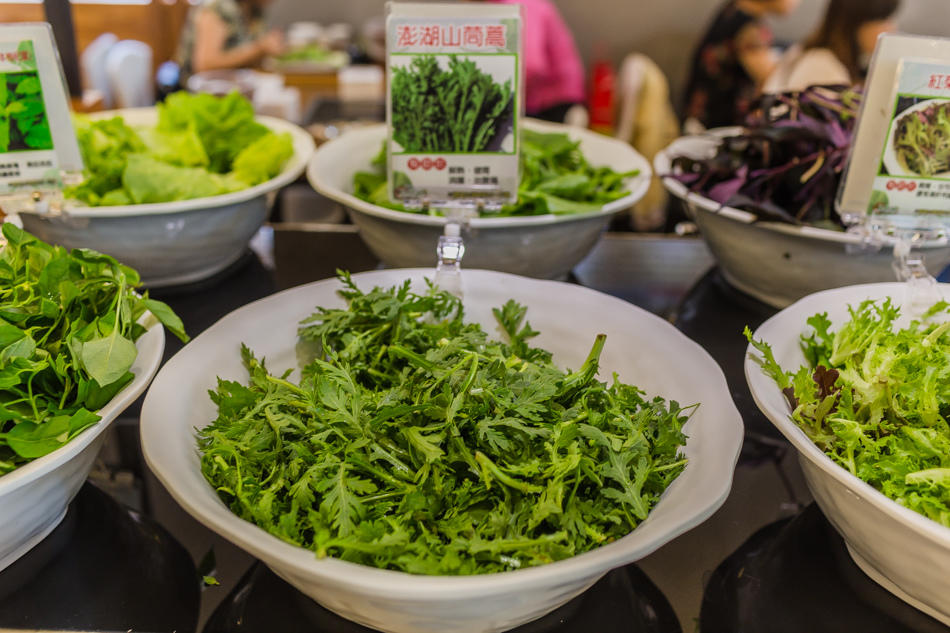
(731, 63)
(839, 51)
(554, 73)
(223, 34)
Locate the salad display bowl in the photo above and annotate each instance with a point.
(34, 497)
(666, 364)
(173, 243)
(542, 246)
(903, 551)
(778, 263)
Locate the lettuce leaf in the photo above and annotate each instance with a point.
(105, 144)
(201, 146)
(225, 125)
(177, 147)
(263, 159)
(150, 180)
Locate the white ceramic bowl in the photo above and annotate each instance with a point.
(644, 349)
(34, 497)
(544, 246)
(780, 263)
(902, 550)
(173, 243)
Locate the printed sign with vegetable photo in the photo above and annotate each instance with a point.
(453, 104)
(911, 170)
(24, 125)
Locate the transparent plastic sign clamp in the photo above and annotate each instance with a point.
(454, 103)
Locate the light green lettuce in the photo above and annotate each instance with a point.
(876, 400)
(201, 146)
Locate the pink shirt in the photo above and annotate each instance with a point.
(553, 70)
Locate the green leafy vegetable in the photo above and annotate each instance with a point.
(876, 401)
(455, 110)
(202, 146)
(313, 53)
(23, 122)
(146, 179)
(922, 140)
(415, 443)
(68, 325)
(555, 178)
(262, 160)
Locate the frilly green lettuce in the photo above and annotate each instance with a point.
(876, 400)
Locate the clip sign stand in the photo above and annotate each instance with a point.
(37, 141)
(897, 180)
(898, 172)
(453, 103)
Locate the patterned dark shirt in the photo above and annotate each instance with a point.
(229, 11)
(720, 91)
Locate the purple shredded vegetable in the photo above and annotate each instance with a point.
(785, 166)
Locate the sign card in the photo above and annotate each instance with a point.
(37, 141)
(453, 103)
(898, 172)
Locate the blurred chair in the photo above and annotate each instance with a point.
(129, 66)
(92, 66)
(578, 116)
(646, 120)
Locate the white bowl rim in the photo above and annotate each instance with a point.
(411, 587)
(662, 163)
(759, 384)
(303, 143)
(33, 470)
(637, 186)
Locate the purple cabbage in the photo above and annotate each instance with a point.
(785, 166)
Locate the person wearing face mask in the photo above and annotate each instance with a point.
(839, 51)
(733, 59)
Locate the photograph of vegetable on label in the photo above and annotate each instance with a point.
(23, 122)
(919, 141)
(415, 442)
(453, 103)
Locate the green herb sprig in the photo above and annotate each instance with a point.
(415, 443)
(68, 325)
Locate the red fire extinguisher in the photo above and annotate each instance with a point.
(603, 89)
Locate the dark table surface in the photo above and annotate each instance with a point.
(109, 568)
